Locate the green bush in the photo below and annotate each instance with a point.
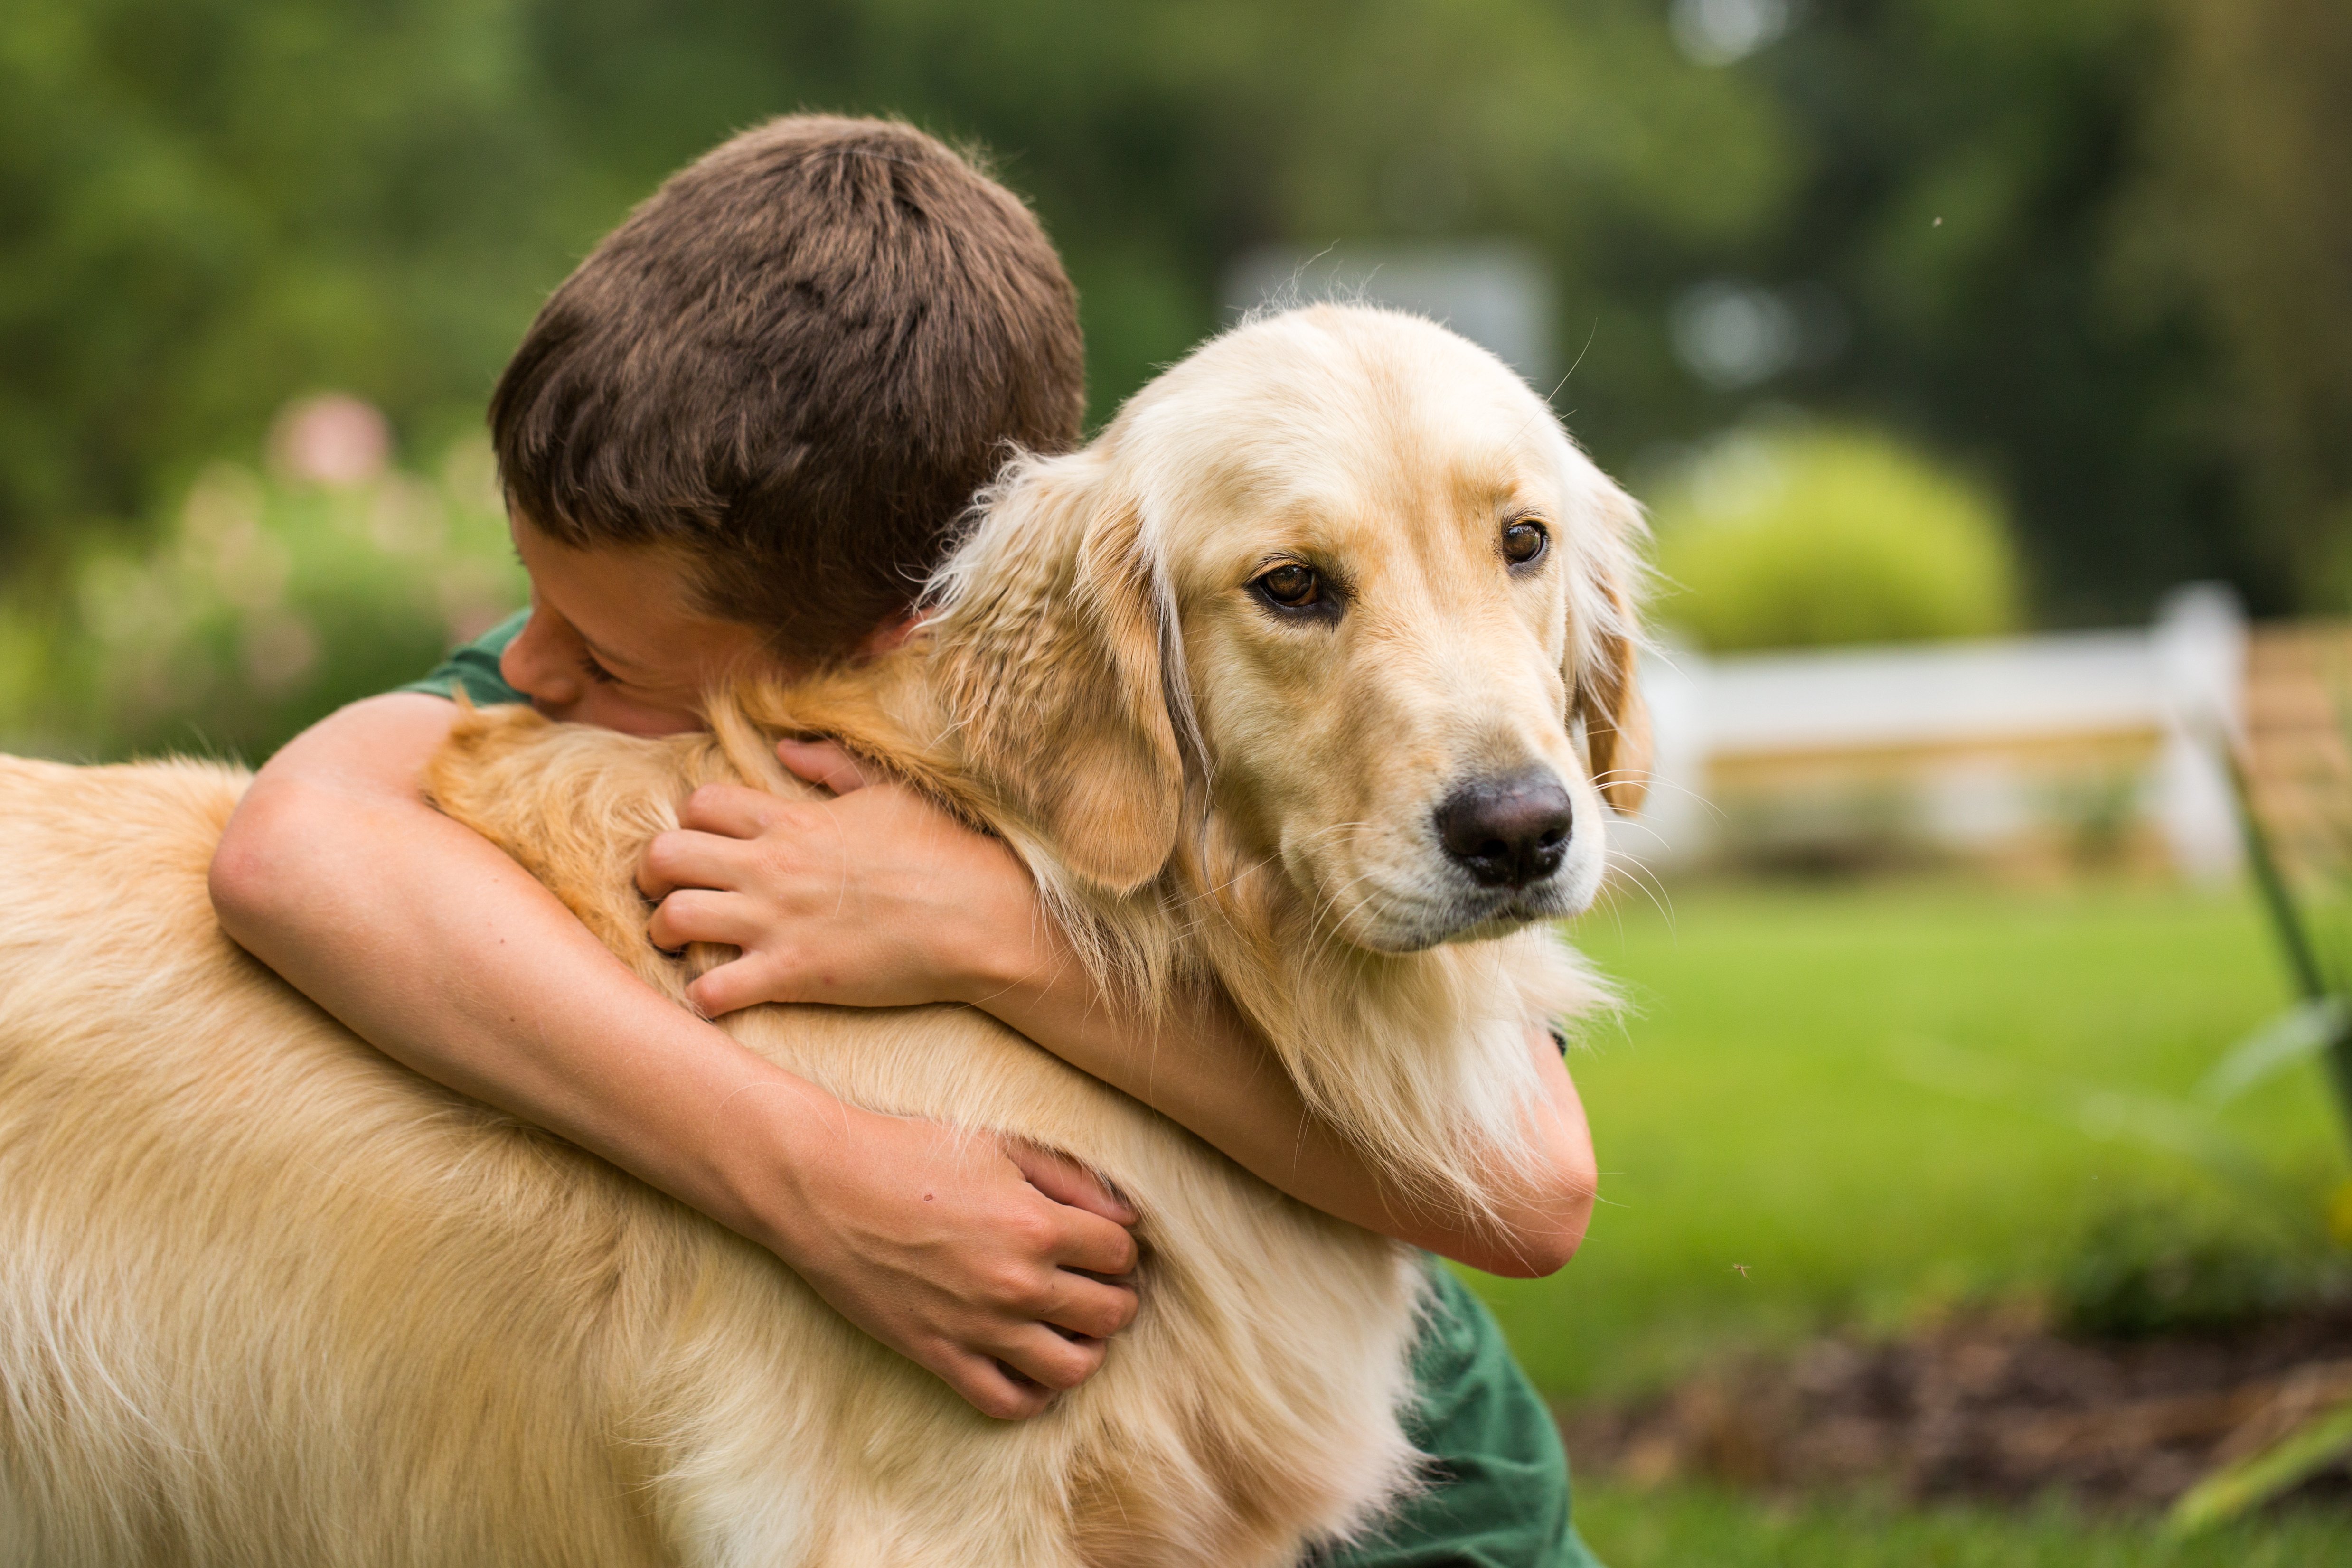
(2143, 1268)
(262, 604)
(1810, 538)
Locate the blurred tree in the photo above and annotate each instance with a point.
(2093, 250)
(1157, 139)
(1965, 160)
(214, 205)
(2098, 250)
(262, 602)
(2244, 224)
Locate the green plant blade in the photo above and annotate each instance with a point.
(2287, 917)
(2303, 1031)
(2237, 1488)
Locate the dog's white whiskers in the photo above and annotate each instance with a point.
(1643, 878)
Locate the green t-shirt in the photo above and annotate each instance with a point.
(1499, 1496)
(473, 669)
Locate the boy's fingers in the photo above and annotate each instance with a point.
(733, 986)
(1095, 1244)
(822, 762)
(1052, 1360)
(991, 1389)
(1065, 1181)
(1090, 1307)
(697, 915)
(729, 808)
(686, 859)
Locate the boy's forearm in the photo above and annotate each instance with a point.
(1205, 1068)
(995, 1265)
(336, 874)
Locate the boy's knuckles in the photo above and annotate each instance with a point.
(710, 807)
(986, 1390)
(1121, 1251)
(1026, 1289)
(658, 868)
(1033, 1233)
(1066, 1363)
(776, 854)
(1100, 1312)
(681, 918)
(1099, 1245)
(1013, 1404)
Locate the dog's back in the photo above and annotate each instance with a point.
(265, 1297)
(258, 1290)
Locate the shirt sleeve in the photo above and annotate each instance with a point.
(1498, 1488)
(473, 669)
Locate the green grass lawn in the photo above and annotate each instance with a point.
(1880, 1098)
(1691, 1527)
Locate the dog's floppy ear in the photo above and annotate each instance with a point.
(1051, 641)
(1604, 658)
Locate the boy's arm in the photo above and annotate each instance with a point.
(1206, 1069)
(877, 898)
(428, 941)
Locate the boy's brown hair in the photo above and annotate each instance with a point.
(796, 360)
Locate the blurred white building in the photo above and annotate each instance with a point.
(1496, 293)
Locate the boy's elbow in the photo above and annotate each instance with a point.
(254, 879)
(1536, 1249)
(1540, 1233)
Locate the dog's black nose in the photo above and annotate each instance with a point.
(1508, 831)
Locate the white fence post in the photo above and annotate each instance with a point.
(1676, 821)
(2199, 645)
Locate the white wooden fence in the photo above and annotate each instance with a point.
(2023, 746)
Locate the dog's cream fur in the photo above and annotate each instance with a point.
(267, 1298)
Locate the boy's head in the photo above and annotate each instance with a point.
(787, 372)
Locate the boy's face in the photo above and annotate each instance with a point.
(615, 638)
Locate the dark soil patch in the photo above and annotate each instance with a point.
(1986, 1408)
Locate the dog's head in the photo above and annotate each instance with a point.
(1342, 575)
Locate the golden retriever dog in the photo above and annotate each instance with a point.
(1307, 679)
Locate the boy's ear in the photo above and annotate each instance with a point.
(1604, 660)
(1051, 641)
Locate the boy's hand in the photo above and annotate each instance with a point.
(875, 898)
(993, 1263)
(969, 1254)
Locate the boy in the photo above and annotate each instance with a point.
(737, 438)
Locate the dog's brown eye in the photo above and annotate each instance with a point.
(1294, 587)
(1523, 540)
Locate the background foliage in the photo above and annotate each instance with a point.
(2092, 252)
(263, 602)
(1779, 539)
